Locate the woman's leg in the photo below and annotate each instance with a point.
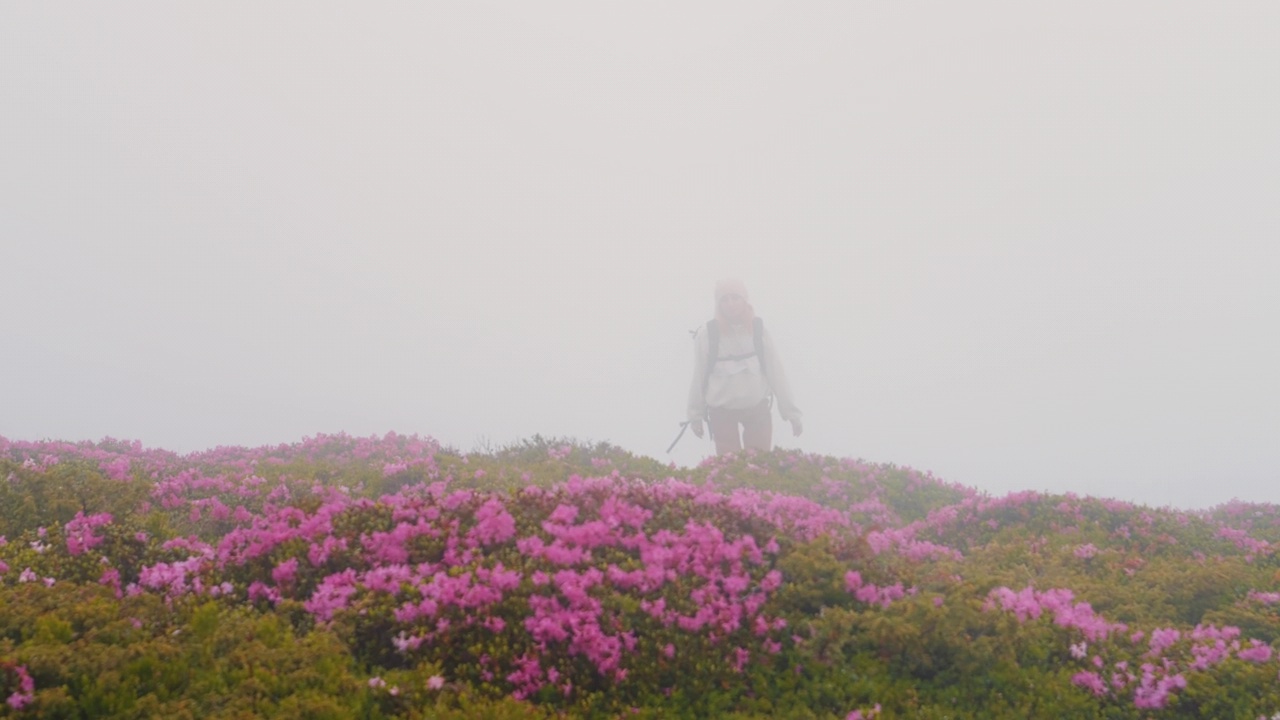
(757, 427)
(724, 428)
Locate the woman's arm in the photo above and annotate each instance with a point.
(778, 382)
(697, 405)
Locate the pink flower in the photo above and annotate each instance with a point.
(772, 581)
(1091, 681)
(332, 594)
(405, 644)
(286, 572)
(26, 688)
(17, 701)
(493, 523)
(79, 531)
(1257, 652)
(1084, 552)
(1162, 638)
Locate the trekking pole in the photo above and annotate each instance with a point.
(683, 426)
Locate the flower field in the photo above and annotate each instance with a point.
(388, 577)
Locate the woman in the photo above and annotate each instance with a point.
(737, 375)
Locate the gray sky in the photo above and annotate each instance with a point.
(1021, 246)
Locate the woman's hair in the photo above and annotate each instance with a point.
(733, 286)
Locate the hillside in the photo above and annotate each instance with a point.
(390, 577)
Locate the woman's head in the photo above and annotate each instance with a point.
(733, 308)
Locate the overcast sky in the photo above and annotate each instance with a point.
(1020, 246)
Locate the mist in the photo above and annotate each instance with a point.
(1023, 248)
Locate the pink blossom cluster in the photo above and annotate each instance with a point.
(870, 594)
(548, 568)
(874, 712)
(904, 542)
(115, 458)
(696, 577)
(858, 490)
(1265, 598)
(26, 691)
(29, 576)
(1151, 689)
(224, 484)
(1086, 551)
(79, 531)
(180, 577)
(1242, 540)
(1155, 686)
(960, 525)
(1168, 664)
(1030, 604)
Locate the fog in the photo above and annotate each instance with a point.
(1018, 246)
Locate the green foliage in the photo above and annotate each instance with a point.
(31, 499)
(98, 650)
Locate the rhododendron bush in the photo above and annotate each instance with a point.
(390, 577)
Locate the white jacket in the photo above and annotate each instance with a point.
(738, 384)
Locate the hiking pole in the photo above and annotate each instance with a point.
(683, 426)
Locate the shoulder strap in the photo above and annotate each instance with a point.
(758, 338)
(713, 347)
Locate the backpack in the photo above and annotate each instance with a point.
(713, 348)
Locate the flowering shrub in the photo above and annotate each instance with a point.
(390, 577)
(24, 686)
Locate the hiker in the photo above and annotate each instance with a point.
(737, 375)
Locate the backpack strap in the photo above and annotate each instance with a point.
(713, 348)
